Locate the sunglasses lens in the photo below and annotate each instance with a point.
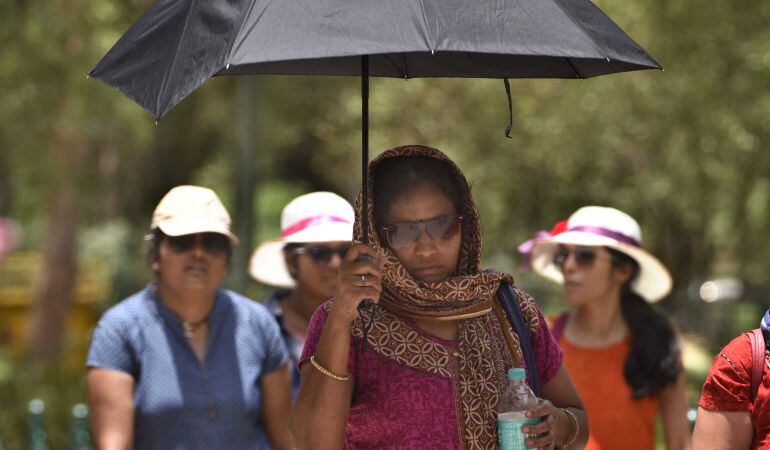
(584, 256)
(343, 251)
(323, 255)
(403, 234)
(215, 242)
(560, 256)
(443, 227)
(181, 244)
(320, 255)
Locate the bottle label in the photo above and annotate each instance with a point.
(510, 435)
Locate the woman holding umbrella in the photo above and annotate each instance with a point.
(429, 372)
(183, 364)
(623, 355)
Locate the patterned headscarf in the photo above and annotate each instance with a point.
(467, 294)
(486, 347)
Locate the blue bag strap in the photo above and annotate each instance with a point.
(516, 318)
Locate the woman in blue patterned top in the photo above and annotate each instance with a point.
(183, 364)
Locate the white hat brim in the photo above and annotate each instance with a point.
(653, 282)
(268, 264)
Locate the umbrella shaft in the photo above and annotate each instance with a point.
(364, 147)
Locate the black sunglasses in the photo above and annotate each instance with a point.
(404, 234)
(322, 255)
(584, 256)
(212, 242)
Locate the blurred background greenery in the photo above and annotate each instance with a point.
(81, 168)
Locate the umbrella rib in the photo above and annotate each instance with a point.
(574, 69)
(425, 23)
(395, 66)
(240, 28)
(176, 55)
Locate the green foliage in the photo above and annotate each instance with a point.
(59, 390)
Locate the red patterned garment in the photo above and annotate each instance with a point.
(728, 388)
(407, 399)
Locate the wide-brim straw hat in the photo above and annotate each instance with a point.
(598, 226)
(309, 218)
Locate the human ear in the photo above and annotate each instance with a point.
(623, 273)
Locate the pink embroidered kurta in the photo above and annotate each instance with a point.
(399, 407)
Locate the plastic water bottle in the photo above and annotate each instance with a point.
(516, 399)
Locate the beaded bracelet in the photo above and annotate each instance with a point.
(574, 437)
(328, 372)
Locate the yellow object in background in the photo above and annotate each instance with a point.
(18, 278)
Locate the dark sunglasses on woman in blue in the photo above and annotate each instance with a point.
(212, 242)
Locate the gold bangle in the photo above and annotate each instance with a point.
(327, 372)
(574, 437)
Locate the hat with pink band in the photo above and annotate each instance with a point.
(310, 218)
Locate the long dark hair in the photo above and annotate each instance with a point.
(654, 361)
(397, 175)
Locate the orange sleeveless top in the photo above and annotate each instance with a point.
(616, 421)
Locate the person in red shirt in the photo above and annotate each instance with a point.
(728, 416)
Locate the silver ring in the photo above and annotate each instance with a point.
(363, 280)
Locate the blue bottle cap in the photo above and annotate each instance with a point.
(516, 373)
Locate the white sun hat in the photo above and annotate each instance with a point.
(606, 227)
(190, 210)
(314, 217)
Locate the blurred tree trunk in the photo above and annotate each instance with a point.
(53, 293)
(55, 285)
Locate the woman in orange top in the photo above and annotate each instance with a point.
(623, 356)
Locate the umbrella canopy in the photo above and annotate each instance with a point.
(178, 44)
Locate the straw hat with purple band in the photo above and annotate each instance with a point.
(606, 227)
(190, 210)
(314, 217)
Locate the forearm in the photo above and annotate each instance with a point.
(322, 405)
(110, 398)
(568, 431)
(673, 410)
(107, 441)
(112, 430)
(276, 404)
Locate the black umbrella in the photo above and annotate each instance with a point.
(179, 44)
